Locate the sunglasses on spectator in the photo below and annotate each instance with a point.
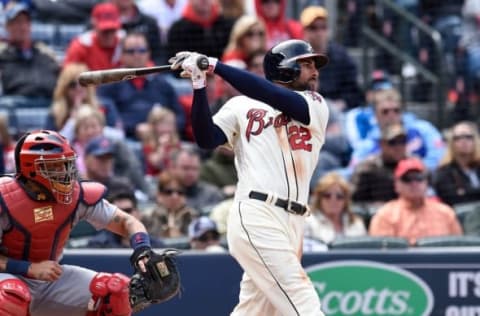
(208, 236)
(255, 33)
(463, 136)
(269, 1)
(73, 84)
(315, 27)
(172, 191)
(394, 110)
(413, 177)
(128, 209)
(139, 50)
(397, 141)
(337, 196)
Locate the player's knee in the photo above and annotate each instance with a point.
(110, 293)
(14, 298)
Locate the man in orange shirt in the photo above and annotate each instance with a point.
(413, 215)
(99, 48)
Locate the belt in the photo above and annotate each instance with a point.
(288, 205)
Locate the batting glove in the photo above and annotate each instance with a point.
(195, 66)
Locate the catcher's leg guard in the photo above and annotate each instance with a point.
(110, 295)
(14, 298)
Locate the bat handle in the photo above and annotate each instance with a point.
(202, 62)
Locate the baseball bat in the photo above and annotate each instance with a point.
(97, 77)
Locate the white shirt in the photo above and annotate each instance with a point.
(273, 155)
(163, 13)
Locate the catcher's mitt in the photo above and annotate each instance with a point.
(159, 283)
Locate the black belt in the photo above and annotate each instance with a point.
(287, 205)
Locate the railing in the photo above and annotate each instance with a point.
(436, 77)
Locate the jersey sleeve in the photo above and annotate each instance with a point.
(99, 215)
(226, 119)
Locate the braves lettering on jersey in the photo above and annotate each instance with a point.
(289, 149)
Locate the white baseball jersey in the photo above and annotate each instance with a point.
(273, 154)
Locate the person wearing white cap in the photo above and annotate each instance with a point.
(204, 235)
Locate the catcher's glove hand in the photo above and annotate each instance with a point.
(159, 283)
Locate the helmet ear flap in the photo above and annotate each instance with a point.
(287, 75)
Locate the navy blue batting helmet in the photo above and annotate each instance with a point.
(280, 63)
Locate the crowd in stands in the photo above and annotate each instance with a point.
(383, 170)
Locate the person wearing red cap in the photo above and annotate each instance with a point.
(98, 48)
(412, 215)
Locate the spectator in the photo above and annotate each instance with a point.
(90, 124)
(279, 26)
(219, 214)
(98, 48)
(7, 146)
(331, 213)
(165, 12)
(372, 179)
(233, 9)
(135, 98)
(200, 194)
(255, 62)
(28, 68)
(99, 160)
(68, 97)
(423, 139)
(457, 180)
(413, 215)
(170, 216)
(219, 170)
(127, 202)
(338, 81)
(247, 36)
(160, 140)
(360, 120)
(202, 28)
(204, 235)
(135, 21)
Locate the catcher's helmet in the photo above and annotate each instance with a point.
(47, 158)
(280, 63)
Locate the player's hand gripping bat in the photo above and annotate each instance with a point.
(98, 77)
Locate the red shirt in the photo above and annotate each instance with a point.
(86, 49)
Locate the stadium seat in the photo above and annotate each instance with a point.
(448, 241)
(369, 242)
(462, 210)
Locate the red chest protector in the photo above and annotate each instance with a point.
(39, 230)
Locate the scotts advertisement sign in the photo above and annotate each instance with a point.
(369, 288)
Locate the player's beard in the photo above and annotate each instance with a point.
(310, 84)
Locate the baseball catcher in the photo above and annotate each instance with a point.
(156, 277)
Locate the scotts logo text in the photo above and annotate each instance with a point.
(362, 288)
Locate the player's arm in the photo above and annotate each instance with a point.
(207, 134)
(287, 101)
(125, 224)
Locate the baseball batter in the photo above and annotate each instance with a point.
(38, 207)
(276, 131)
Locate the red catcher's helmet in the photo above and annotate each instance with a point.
(47, 158)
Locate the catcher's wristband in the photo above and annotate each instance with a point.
(17, 267)
(140, 240)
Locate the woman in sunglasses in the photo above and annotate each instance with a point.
(170, 216)
(457, 180)
(331, 213)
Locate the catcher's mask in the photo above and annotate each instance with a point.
(47, 158)
(281, 61)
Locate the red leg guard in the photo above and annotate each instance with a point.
(110, 294)
(14, 298)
